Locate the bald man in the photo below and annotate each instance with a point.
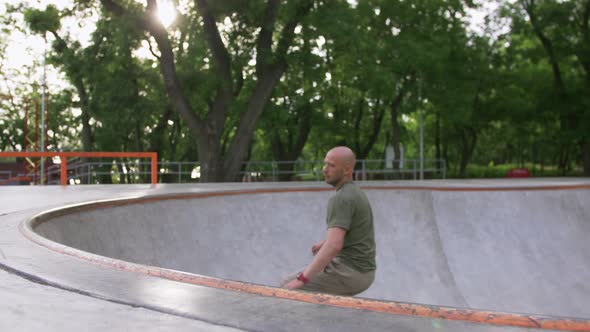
(343, 263)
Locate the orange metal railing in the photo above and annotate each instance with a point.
(63, 156)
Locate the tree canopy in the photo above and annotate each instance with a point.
(232, 81)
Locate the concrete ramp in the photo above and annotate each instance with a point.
(524, 250)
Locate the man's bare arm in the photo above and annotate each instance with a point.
(316, 247)
(330, 248)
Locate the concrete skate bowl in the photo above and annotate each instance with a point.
(508, 256)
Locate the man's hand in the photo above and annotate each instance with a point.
(316, 247)
(294, 284)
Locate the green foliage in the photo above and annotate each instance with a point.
(42, 21)
(490, 98)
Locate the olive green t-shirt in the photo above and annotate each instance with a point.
(349, 209)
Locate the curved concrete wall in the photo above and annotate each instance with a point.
(519, 251)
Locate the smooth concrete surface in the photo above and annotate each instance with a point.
(505, 251)
(494, 245)
(28, 306)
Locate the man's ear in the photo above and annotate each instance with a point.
(348, 168)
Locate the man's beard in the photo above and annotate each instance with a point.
(335, 180)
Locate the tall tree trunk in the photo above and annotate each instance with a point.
(585, 147)
(358, 119)
(583, 53)
(157, 138)
(245, 132)
(468, 142)
(445, 151)
(584, 58)
(568, 120)
(270, 66)
(563, 159)
(209, 146)
(395, 108)
(87, 140)
(395, 130)
(288, 148)
(295, 141)
(437, 152)
(377, 115)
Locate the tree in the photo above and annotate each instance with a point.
(274, 38)
(354, 91)
(68, 56)
(109, 80)
(295, 105)
(561, 27)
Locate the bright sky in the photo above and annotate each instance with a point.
(23, 50)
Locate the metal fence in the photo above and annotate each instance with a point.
(253, 171)
(5, 175)
(365, 170)
(135, 171)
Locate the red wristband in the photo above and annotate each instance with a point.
(302, 278)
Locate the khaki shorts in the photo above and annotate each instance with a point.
(337, 279)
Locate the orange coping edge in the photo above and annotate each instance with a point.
(64, 162)
(387, 307)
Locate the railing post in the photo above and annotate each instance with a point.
(317, 173)
(154, 168)
(273, 166)
(64, 170)
(364, 174)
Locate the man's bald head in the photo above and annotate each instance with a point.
(339, 165)
(344, 155)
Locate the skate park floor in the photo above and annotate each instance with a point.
(454, 255)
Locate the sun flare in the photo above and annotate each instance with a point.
(166, 12)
